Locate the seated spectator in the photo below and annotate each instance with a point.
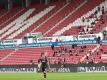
(105, 52)
(83, 19)
(90, 52)
(59, 53)
(76, 52)
(31, 62)
(98, 40)
(59, 61)
(104, 34)
(82, 49)
(54, 53)
(63, 52)
(87, 57)
(98, 8)
(52, 46)
(91, 61)
(61, 46)
(101, 47)
(63, 61)
(70, 52)
(103, 10)
(84, 46)
(53, 61)
(96, 12)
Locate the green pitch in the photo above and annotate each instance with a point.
(53, 76)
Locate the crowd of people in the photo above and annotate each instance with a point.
(90, 29)
(62, 51)
(76, 50)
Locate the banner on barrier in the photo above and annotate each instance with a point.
(6, 42)
(104, 42)
(34, 35)
(54, 39)
(18, 70)
(73, 39)
(10, 42)
(56, 68)
(58, 43)
(61, 70)
(44, 39)
(81, 69)
(89, 36)
(92, 69)
(7, 46)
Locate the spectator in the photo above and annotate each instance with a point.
(103, 10)
(53, 61)
(76, 52)
(54, 53)
(61, 46)
(63, 61)
(63, 52)
(59, 53)
(52, 46)
(101, 47)
(59, 61)
(98, 8)
(96, 12)
(70, 52)
(90, 52)
(82, 50)
(87, 57)
(83, 19)
(104, 34)
(31, 62)
(98, 40)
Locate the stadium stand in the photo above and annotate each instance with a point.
(42, 20)
(24, 55)
(78, 22)
(67, 14)
(50, 30)
(9, 28)
(55, 20)
(5, 52)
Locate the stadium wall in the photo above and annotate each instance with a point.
(100, 67)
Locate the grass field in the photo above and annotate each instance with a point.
(53, 76)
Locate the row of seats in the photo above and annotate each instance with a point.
(72, 55)
(14, 26)
(56, 20)
(42, 20)
(84, 11)
(29, 22)
(25, 55)
(66, 20)
(10, 16)
(92, 22)
(60, 19)
(5, 52)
